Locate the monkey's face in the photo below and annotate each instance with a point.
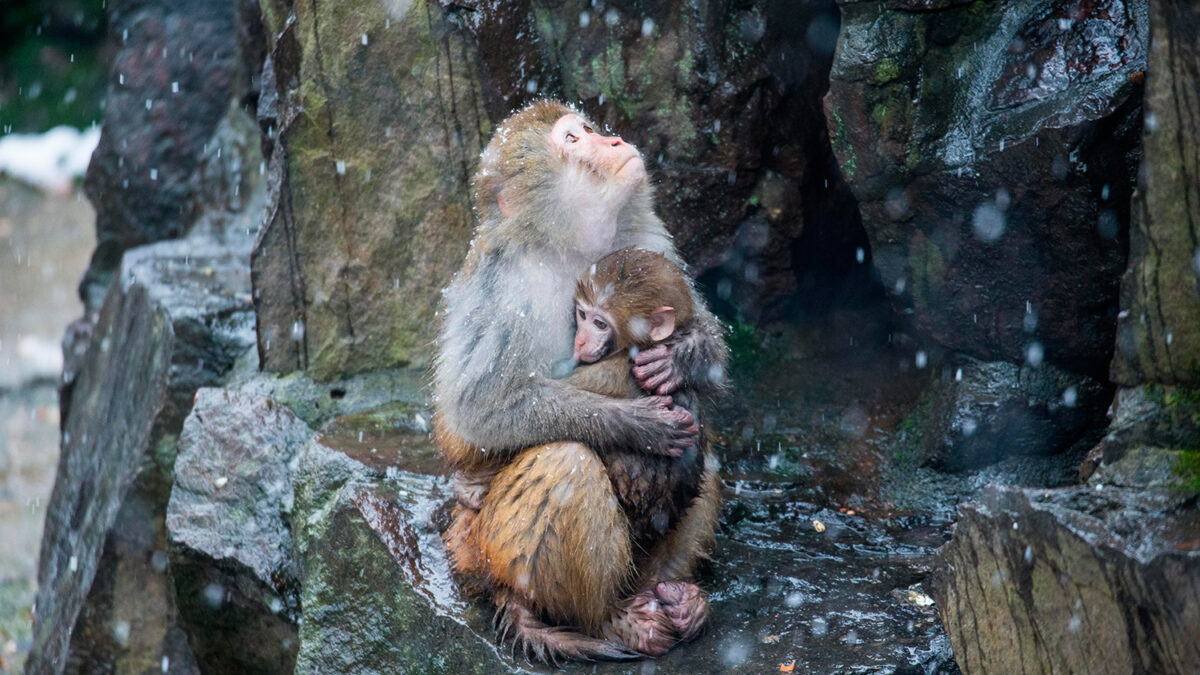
(608, 157)
(593, 333)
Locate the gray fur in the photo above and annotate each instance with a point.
(508, 321)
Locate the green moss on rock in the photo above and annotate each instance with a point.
(886, 71)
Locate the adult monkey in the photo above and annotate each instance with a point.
(548, 538)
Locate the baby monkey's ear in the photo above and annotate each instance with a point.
(662, 323)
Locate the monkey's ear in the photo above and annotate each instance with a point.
(662, 323)
(502, 201)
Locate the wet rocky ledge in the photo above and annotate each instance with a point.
(321, 545)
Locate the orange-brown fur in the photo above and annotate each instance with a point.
(631, 284)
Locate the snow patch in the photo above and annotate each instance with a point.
(50, 160)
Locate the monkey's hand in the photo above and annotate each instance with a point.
(655, 371)
(679, 427)
(694, 358)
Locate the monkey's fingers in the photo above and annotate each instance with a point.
(659, 402)
(682, 418)
(670, 386)
(655, 383)
(642, 371)
(655, 353)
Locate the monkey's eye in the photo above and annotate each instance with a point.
(599, 323)
(588, 129)
(571, 138)
(582, 316)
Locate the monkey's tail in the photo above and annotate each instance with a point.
(520, 625)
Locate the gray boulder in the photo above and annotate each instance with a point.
(176, 318)
(236, 583)
(1087, 579)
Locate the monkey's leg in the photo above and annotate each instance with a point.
(674, 559)
(516, 619)
(692, 540)
(555, 542)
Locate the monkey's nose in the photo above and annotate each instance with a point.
(614, 141)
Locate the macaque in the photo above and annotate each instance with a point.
(629, 298)
(548, 538)
(636, 299)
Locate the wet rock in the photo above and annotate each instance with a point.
(1081, 579)
(318, 402)
(175, 319)
(370, 205)
(977, 413)
(236, 585)
(1158, 332)
(1151, 441)
(836, 600)
(377, 593)
(379, 125)
(169, 84)
(992, 146)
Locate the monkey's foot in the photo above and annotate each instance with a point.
(685, 605)
(642, 625)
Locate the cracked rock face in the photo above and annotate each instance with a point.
(376, 127)
(993, 147)
(1084, 579)
(1158, 330)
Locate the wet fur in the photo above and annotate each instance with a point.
(550, 540)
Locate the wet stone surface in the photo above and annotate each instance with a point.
(791, 581)
(231, 556)
(845, 599)
(1081, 579)
(808, 571)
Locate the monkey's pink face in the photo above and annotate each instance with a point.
(593, 333)
(573, 138)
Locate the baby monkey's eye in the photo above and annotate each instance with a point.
(579, 310)
(599, 323)
(588, 129)
(571, 138)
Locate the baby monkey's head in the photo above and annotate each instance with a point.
(630, 298)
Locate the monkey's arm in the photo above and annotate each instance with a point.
(492, 381)
(609, 376)
(696, 358)
(542, 410)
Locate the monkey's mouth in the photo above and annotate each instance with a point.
(587, 357)
(621, 168)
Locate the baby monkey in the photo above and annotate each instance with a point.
(636, 299)
(630, 299)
